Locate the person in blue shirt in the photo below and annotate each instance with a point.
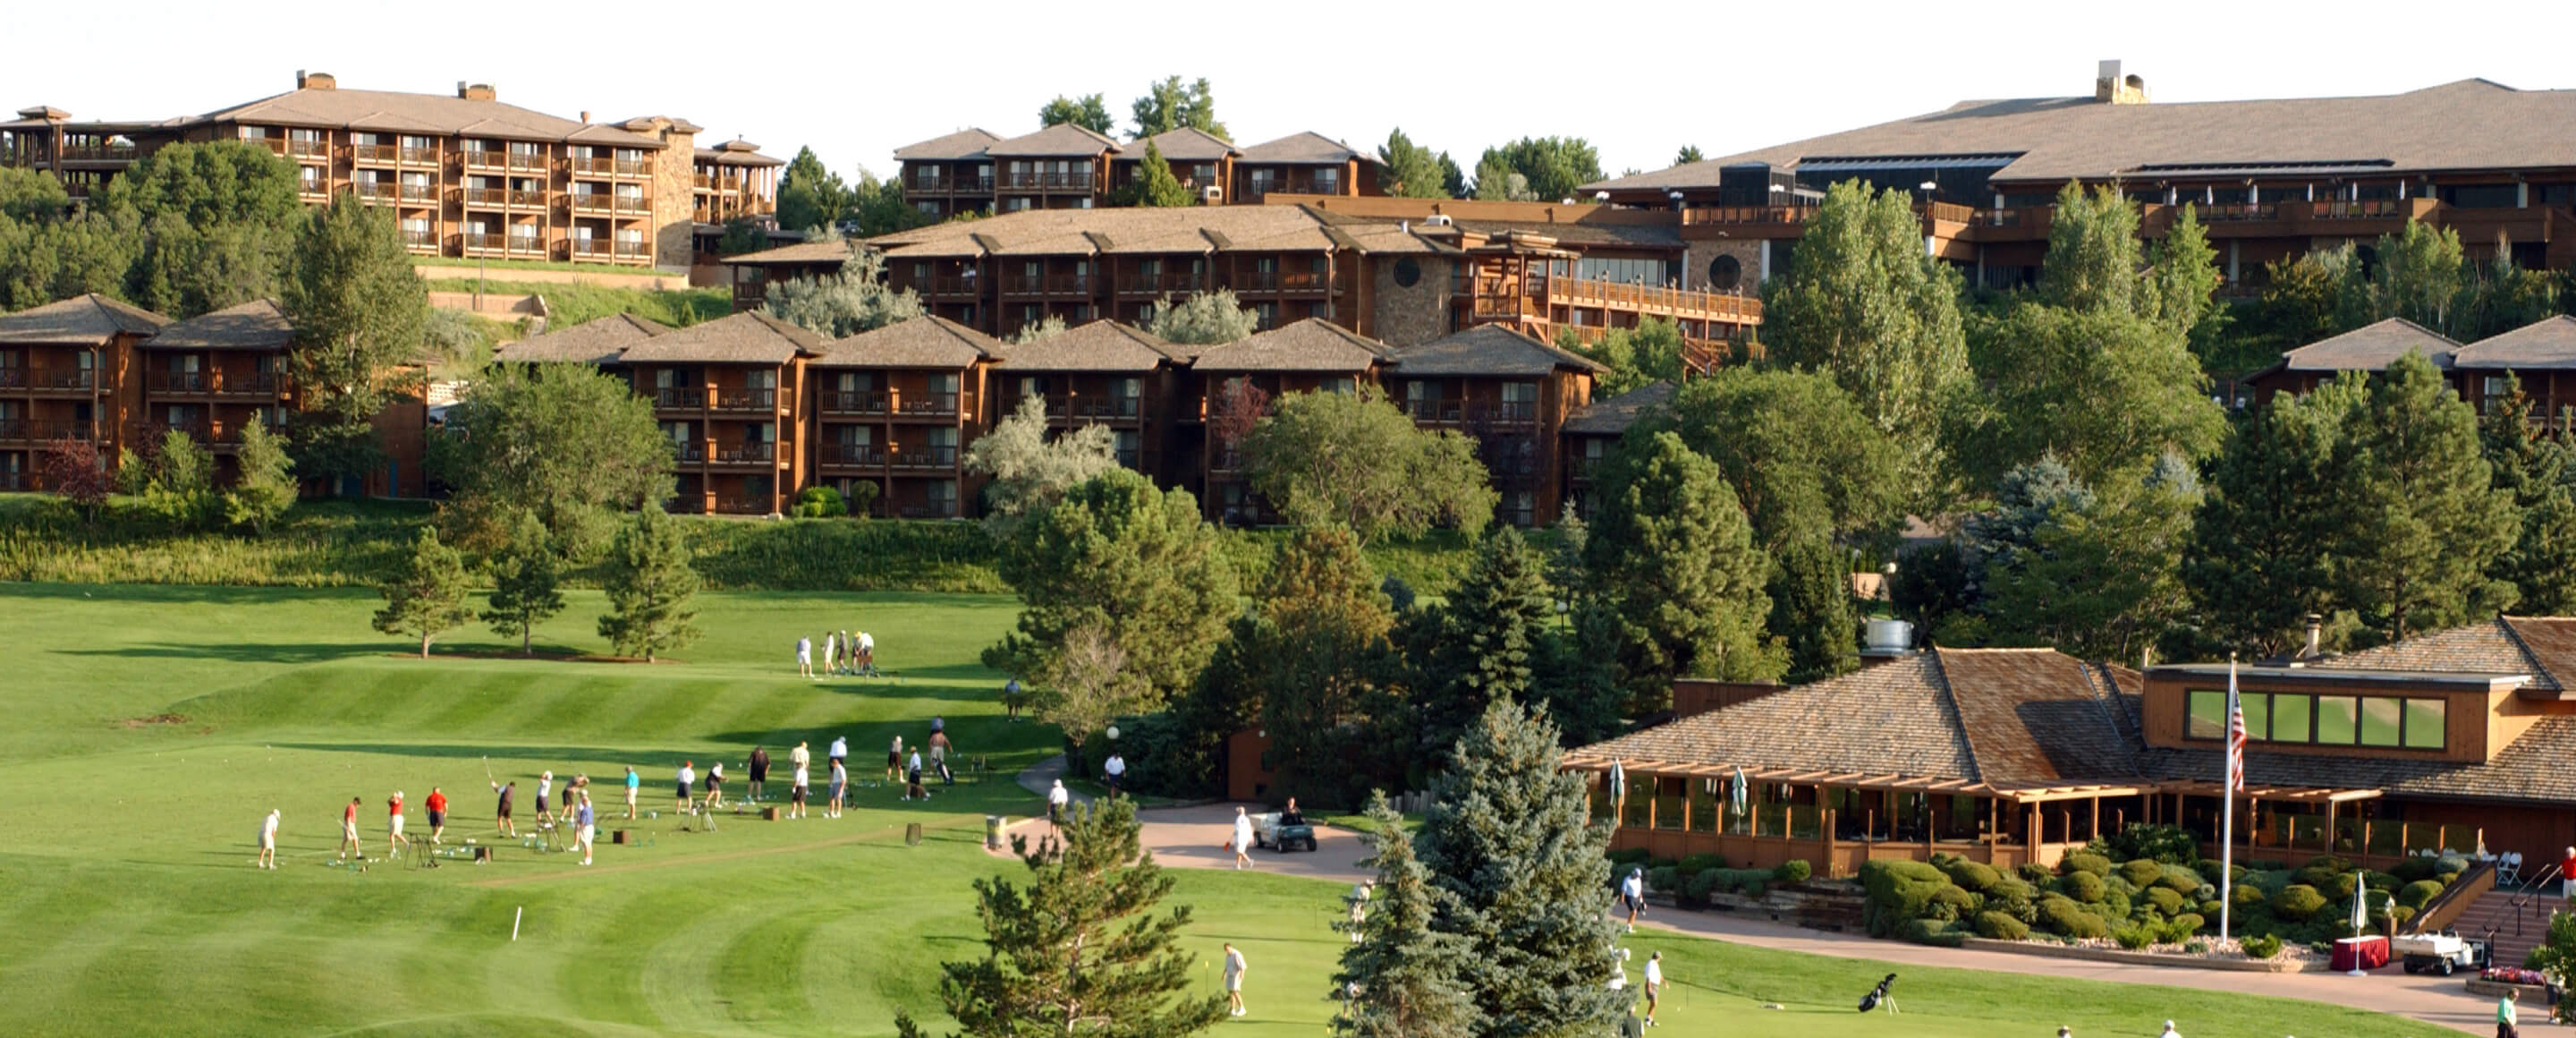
(634, 782)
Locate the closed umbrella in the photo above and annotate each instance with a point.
(1741, 795)
(1618, 783)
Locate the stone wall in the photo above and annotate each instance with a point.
(1407, 316)
(675, 199)
(1748, 259)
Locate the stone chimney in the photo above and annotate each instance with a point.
(474, 91)
(2110, 87)
(315, 81)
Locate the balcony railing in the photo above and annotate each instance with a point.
(865, 455)
(374, 153)
(315, 188)
(1287, 280)
(614, 167)
(58, 380)
(98, 152)
(478, 158)
(490, 197)
(39, 430)
(925, 458)
(746, 400)
(179, 381)
(745, 454)
(1091, 409)
(420, 239)
(13, 378)
(1076, 181)
(944, 286)
(680, 399)
(422, 193)
(411, 156)
(14, 481)
(1748, 214)
(308, 149)
(275, 145)
(1049, 285)
(837, 401)
(691, 451)
(601, 202)
(1507, 412)
(1255, 190)
(513, 244)
(1157, 284)
(1651, 299)
(934, 404)
(611, 249)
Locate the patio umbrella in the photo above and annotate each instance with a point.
(2360, 908)
(1618, 782)
(1740, 794)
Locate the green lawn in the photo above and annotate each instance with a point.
(132, 909)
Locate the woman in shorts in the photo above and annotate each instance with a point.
(796, 793)
(840, 787)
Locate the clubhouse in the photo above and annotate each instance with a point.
(2457, 740)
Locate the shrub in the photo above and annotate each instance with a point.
(2066, 918)
(2135, 938)
(2142, 873)
(2084, 862)
(2419, 893)
(1695, 894)
(2181, 927)
(2210, 907)
(2266, 865)
(2195, 947)
(1748, 882)
(1697, 863)
(2263, 946)
(1628, 857)
(2181, 879)
(1660, 863)
(2329, 863)
(2083, 886)
(1935, 932)
(1794, 870)
(2115, 904)
(2165, 901)
(2451, 863)
(2211, 868)
(2248, 895)
(2012, 897)
(2297, 902)
(820, 503)
(1898, 891)
(1951, 903)
(2001, 927)
(2410, 869)
(2400, 914)
(1664, 880)
(2167, 844)
(1970, 875)
(2034, 873)
(2382, 881)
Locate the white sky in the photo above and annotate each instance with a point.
(855, 81)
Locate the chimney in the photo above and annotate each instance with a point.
(585, 117)
(315, 81)
(474, 91)
(2110, 87)
(2316, 636)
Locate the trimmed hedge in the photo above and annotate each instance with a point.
(2066, 918)
(2083, 862)
(1899, 891)
(2262, 947)
(2165, 901)
(2297, 902)
(2084, 886)
(1974, 877)
(1794, 870)
(2001, 927)
(2142, 873)
(2419, 893)
(1935, 932)
(1696, 863)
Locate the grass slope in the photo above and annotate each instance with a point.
(132, 909)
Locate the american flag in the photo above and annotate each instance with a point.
(2235, 735)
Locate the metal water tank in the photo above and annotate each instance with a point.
(1889, 636)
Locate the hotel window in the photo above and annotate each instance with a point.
(2494, 393)
(1260, 181)
(309, 179)
(2412, 722)
(1328, 181)
(943, 497)
(2481, 196)
(1128, 445)
(1013, 205)
(1265, 315)
(1202, 174)
(926, 208)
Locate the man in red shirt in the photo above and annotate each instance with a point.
(349, 833)
(437, 816)
(394, 835)
(2567, 874)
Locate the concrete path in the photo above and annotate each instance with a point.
(1192, 838)
(1041, 776)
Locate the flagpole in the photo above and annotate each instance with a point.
(2227, 812)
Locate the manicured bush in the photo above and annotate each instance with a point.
(1898, 891)
(2181, 927)
(2401, 914)
(1794, 870)
(820, 503)
(2034, 873)
(1952, 903)
(2165, 901)
(2419, 893)
(2263, 946)
(2171, 844)
(2142, 873)
(1664, 879)
(2408, 870)
(2248, 895)
(2001, 927)
(2451, 863)
(1628, 856)
(1935, 932)
(2116, 904)
(2083, 886)
(2210, 907)
(1969, 875)
(1660, 863)
(1694, 864)
(2135, 938)
(2383, 881)
(2297, 902)
(1703, 883)
(2068, 919)
(2211, 868)
(2083, 862)
(2013, 897)
(2266, 865)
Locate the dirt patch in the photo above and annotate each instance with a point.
(145, 722)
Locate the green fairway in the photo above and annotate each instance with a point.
(144, 731)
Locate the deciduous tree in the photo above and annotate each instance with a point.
(564, 443)
(1354, 459)
(1168, 105)
(527, 583)
(837, 306)
(1801, 455)
(182, 491)
(1202, 319)
(2093, 574)
(1087, 111)
(2102, 389)
(74, 472)
(1650, 352)
(426, 595)
(1030, 471)
(1403, 976)
(1553, 167)
(651, 587)
(265, 486)
(1080, 951)
(359, 312)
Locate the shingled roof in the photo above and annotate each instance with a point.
(1303, 149)
(1613, 416)
(255, 325)
(89, 319)
(2540, 345)
(2372, 347)
(1108, 346)
(599, 341)
(2492, 647)
(2009, 718)
(1139, 229)
(749, 337)
(963, 144)
(2530, 769)
(1313, 344)
(1062, 140)
(397, 112)
(923, 342)
(2469, 124)
(1187, 144)
(1488, 350)
(803, 252)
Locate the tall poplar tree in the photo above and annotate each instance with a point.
(1402, 977)
(650, 584)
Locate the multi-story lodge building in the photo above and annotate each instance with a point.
(2484, 373)
(73, 370)
(2271, 179)
(466, 175)
(1069, 167)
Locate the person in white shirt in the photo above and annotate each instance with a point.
(867, 654)
(797, 793)
(688, 778)
(1633, 891)
(912, 778)
(1057, 798)
(1234, 970)
(831, 652)
(804, 657)
(545, 788)
(840, 749)
(1242, 839)
(1654, 984)
(1116, 772)
(894, 761)
(267, 841)
(2169, 1031)
(715, 785)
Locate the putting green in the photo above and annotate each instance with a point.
(144, 731)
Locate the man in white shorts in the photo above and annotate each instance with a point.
(588, 828)
(394, 836)
(1242, 842)
(1234, 969)
(1654, 984)
(268, 841)
(349, 832)
(804, 657)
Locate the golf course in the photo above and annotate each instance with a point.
(145, 731)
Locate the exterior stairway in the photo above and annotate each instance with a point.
(2493, 917)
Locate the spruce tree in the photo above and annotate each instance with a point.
(1402, 980)
(427, 594)
(1154, 184)
(2527, 464)
(649, 583)
(1319, 629)
(2260, 557)
(1492, 638)
(527, 580)
(1079, 950)
(1811, 608)
(265, 488)
(1522, 880)
(1671, 556)
(2421, 523)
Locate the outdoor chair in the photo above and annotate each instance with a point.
(2509, 869)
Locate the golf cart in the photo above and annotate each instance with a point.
(2441, 953)
(1269, 834)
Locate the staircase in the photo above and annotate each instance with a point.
(2513, 920)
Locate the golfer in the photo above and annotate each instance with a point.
(894, 760)
(1632, 890)
(796, 793)
(912, 778)
(1011, 699)
(545, 788)
(1654, 984)
(804, 657)
(867, 654)
(349, 833)
(1242, 842)
(394, 825)
(688, 777)
(634, 782)
(589, 828)
(2508, 1022)
(840, 748)
(501, 811)
(840, 789)
(758, 765)
(939, 755)
(800, 756)
(715, 785)
(1115, 772)
(1057, 798)
(437, 816)
(1234, 968)
(268, 841)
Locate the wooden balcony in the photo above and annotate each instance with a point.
(52, 380)
(1682, 304)
(529, 245)
(308, 149)
(602, 248)
(275, 145)
(744, 400)
(420, 239)
(598, 202)
(375, 154)
(928, 510)
(36, 432)
(925, 405)
(1152, 285)
(689, 452)
(315, 188)
(948, 186)
(942, 459)
(851, 456)
(98, 153)
(680, 399)
(1256, 190)
(1050, 285)
(946, 286)
(258, 384)
(1722, 215)
(609, 166)
(1077, 182)
(738, 454)
(408, 156)
(1472, 413)
(506, 160)
(1286, 282)
(836, 401)
(1089, 410)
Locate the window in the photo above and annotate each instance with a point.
(1623, 271)
(2481, 196)
(1328, 181)
(1408, 272)
(2381, 720)
(2496, 390)
(2338, 719)
(2208, 712)
(2424, 727)
(1338, 384)
(1520, 393)
(926, 208)
(2290, 718)
(1725, 274)
(2415, 723)
(2258, 716)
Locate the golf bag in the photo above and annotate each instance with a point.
(1879, 995)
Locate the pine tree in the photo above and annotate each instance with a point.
(1080, 950)
(265, 488)
(527, 580)
(1492, 638)
(1409, 170)
(1319, 630)
(2527, 464)
(1672, 559)
(2421, 523)
(1402, 979)
(427, 595)
(2260, 559)
(1154, 185)
(1522, 880)
(649, 584)
(1811, 609)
